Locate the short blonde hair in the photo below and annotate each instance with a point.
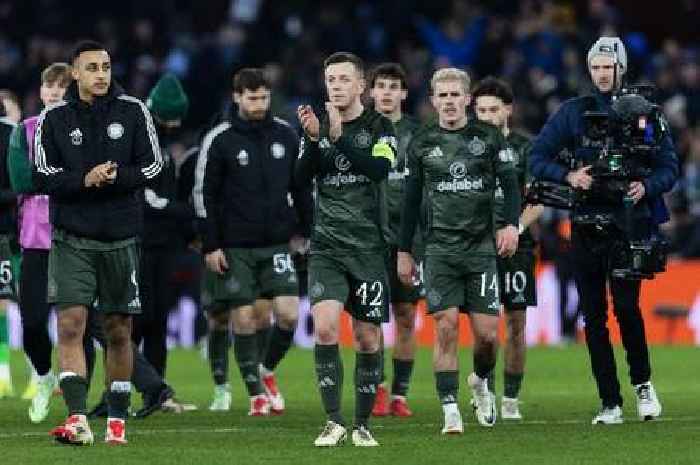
(450, 74)
(57, 73)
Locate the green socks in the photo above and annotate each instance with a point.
(279, 343)
(245, 348)
(329, 374)
(4, 340)
(74, 389)
(447, 386)
(511, 384)
(367, 378)
(263, 336)
(491, 380)
(402, 377)
(118, 399)
(218, 355)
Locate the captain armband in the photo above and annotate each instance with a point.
(385, 148)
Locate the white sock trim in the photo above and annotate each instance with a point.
(66, 374)
(120, 386)
(264, 371)
(450, 408)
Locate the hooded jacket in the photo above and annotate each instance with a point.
(244, 188)
(167, 219)
(74, 136)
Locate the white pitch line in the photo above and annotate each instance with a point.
(238, 430)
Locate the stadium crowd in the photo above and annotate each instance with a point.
(537, 45)
(180, 61)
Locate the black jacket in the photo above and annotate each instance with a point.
(244, 185)
(165, 216)
(8, 199)
(185, 185)
(71, 138)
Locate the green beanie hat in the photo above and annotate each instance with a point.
(167, 99)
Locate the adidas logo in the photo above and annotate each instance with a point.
(326, 382)
(368, 389)
(435, 153)
(324, 143)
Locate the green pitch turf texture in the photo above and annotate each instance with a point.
(558, 402)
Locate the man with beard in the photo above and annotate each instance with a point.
(594, 245)
(254, 216)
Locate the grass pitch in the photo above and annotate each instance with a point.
(559, 400)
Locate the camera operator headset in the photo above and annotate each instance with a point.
(595, 242)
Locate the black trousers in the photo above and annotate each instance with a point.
(34, 309)
(565, 274)
(592, 252)
(158, 295)
(144, 377)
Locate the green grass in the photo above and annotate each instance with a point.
(558, 402)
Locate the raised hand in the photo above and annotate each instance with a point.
(309, 121)
(580, 178)
(336, 123)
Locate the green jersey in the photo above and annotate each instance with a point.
(454, 173)
(520, 146)
(405, 129)
(350, 211)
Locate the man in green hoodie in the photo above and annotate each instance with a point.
(161, 240)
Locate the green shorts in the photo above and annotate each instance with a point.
(516, 280)
(254, 272)
(86, 272)
(466, 281)
(359, 281)
(9, 269)
(398, 291)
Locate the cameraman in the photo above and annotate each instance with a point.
(593, 244)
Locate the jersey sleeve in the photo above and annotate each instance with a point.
(146, 161)
(19, 166)
(504, 167)
(52, 176)
(208, 187)
(382, 155)
(413, 197)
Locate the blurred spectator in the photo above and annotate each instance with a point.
(11, 106)
(456, 42)
(538, 45)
